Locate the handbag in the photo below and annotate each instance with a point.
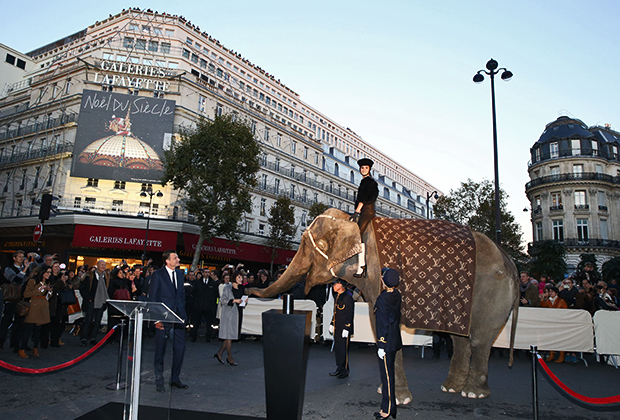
(21, 308)
(121, 294)
(67, 297)
(11, 292)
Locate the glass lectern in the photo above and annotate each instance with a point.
(138, 312)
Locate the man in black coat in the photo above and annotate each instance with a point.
(95, 290)
(342, 327)
(387, 319)
(167, 287)
(367, 194)
(205, 294)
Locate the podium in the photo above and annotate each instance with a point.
(138, 312)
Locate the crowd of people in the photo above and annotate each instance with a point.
(582, 290)
(37, 296)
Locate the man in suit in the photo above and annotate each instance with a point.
(167, 287)
(205, 295)
(387, 319)
(342, 328)
(95, 289)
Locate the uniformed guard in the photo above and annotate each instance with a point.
(342, 327)
(367, 194)
(387, 320)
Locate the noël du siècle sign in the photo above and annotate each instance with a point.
(132, 75)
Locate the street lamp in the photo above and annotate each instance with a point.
(428, 197)
(148, 193)
(478, 78)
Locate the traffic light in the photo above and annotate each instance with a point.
(46, 206)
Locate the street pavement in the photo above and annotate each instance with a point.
(240, 390)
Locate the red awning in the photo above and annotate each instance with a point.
(123, 238)
(242, 251)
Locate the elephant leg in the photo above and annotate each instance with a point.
(459, 365)
(477, 385)
(403, 395)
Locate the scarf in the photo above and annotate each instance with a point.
(101, 294)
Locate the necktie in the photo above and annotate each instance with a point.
(174, 280)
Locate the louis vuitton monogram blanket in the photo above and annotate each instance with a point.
(437, 265)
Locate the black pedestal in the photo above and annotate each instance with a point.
(286, 340)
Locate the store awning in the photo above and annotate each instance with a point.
(123, 238)
(242, 251)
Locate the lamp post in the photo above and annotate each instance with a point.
(148, 193)
(428, 198)
(478, 78)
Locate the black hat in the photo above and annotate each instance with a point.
(391, 277)
(365, 162)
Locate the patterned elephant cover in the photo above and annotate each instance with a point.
(437, 265)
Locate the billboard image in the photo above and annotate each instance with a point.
(121, 137)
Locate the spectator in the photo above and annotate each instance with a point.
(52, 301)
(613, 284)
(570, 294)
(95, 292)
(529, 292)
(588, 273)
(587, 292)
(551, 299)
(58, 310)
(602, 299)
(263, 279)
(544, 280)
(16, 274)
(37, 289)
(205, 294)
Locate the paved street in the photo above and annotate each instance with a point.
(240, 390)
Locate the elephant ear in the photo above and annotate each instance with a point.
(343, 240)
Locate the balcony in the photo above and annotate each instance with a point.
(36, 154)
(34, 128)
(602, 208)
(582, 207)
(584, 176)
(556, 208)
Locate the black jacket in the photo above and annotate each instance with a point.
(205, 295)
(368, 191)
(387, 319)
(344, 311)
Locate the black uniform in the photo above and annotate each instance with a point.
(343, 320)
(205, 294)
(367, 193)
(387, 318)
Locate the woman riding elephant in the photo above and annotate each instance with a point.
(367, 194)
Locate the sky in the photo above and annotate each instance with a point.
(399, 73)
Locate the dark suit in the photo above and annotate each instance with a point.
(162, 290)
(92, 315)
(387, 319)
(344, 310)
(205, 295)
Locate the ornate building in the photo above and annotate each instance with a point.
(89, 120)
(575, 188)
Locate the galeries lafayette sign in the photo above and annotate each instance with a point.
(123, 238)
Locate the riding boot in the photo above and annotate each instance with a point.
(551, 356)
(561, 358)
(361, 264)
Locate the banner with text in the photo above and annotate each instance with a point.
(122, 137)
(242, 251)
(123, 238)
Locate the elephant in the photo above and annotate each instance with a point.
(328, 250)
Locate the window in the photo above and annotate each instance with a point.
(580, 200)
(582, 229)
(50, 176)
(153, 46)
(157, 31)
(128, 42)
(277, 167)
(90, 202)
(263, 206)
(141, 44)
(558, 230)
(264, 181)
(556, 200)
(169, 32)
(304, 195)
(24, 177)
(194, 58)
(202, 103)
(305, 153)
(266, 133)
(117, 205)
(119, 185)
(293, 147)
(602, 204)
(594, 148)
(203, 63)
(577, 171)
(261, 229)
(554, 150)
(603, 226)
(165, 47)
(292, 191)
(185, 53)
(279, 140)
(10, 59)
(92, 182)
(247, 225)
(218, 110)
(133, 27)
(172, 65)
(35, 183)
(77, 202)
(316, 158)
(277, 186)
(539, 231)
(576, 147)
